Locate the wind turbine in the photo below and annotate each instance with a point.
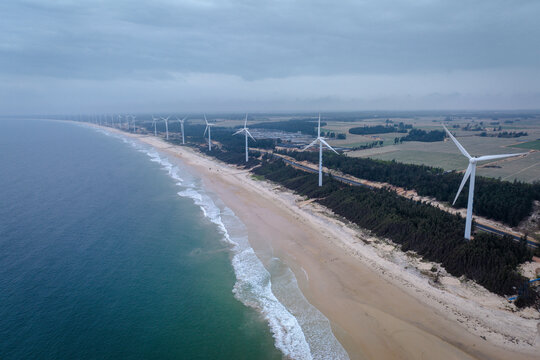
(471, 172)
(247, 133)
(322, 142)
(133, 119)
(209, 128)
(166, 125)
(154, 121)
(182, 127)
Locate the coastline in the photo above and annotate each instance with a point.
(377, 307)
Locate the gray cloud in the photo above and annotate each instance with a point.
(45, 45)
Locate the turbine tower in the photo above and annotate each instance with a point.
(154, 121)
(133, 119)
(322, 142)
(208, 128)
(471, 172)
(182, 127)
(246, 133)
(166, 125)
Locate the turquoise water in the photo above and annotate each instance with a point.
(101, 259)
(109, 249)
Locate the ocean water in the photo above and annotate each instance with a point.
(108, 249)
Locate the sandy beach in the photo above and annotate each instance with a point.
(382, 304)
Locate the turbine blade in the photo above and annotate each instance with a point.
(249, 134)
(460, 147)
(465, 177)
(205, 130)
(328, 145)
(238, 132)
(493, 157)
(206, 121)
(319, 128)
(310, 145)
(245, 122)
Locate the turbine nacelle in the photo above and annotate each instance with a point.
(322, 143)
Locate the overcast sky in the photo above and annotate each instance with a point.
(101, 56)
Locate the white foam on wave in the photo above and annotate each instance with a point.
(253, 286)
(316, 326)
(166, 165)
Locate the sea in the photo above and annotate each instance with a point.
(111, 250)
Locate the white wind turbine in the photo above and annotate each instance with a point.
(182, 127)
(246, 133)
(166, 125)
(208, 128)
(154, 122)
(322, 142)
(133, 119)
(471, 172)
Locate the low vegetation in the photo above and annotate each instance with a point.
(504, 134)
(377, 129)
(424, 136)
(308, 127)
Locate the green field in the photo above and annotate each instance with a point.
(438, 159)
(533, 145)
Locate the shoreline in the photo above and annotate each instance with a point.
(377, 307)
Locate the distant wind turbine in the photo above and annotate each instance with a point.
(322, 142)
(133, 119)
(208, 128)
(246, 133)
(471, 172)
(154, 121)
(166, 125)
(182, 127)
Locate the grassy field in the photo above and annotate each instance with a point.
(446, 155)
(533, 145)
(438, 159)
